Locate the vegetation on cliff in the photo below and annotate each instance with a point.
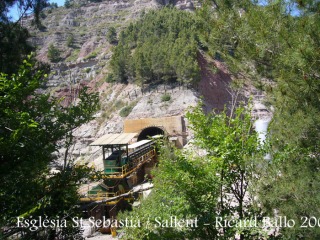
(278, 42)
(209, 187)
(159, 47)
(33, 126)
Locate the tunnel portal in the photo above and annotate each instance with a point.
(149, 132)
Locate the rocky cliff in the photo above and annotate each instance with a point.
(79, 32)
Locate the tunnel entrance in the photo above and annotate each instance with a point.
(149, 132)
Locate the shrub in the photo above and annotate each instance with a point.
(119, 104)
(124, 112)
(165, 97)
(110, 78)
(53, 53)
(112, 35)
(91, 55)
(74, 55)
(70, 40)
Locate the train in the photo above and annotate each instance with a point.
(124, 177)
(123, 161)
(124, 166)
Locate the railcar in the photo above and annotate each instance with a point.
(124, 166)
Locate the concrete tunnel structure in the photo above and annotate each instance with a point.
(172, 127)
(150, 131)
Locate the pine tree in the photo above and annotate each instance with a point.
(112, 35)
(171, 31)
(259, 42)
(53, 53)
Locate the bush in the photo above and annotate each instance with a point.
(124, 112)
(165, 97)
(74, 55)
(112, 35)
(119, 104)
(53, 53)
(68, 4)
(91, 56)
(110, 78)
(70, 40)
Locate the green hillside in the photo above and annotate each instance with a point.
(221, 180)
(160, 47)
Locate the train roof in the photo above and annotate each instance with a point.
(138, 144)
(114, 139)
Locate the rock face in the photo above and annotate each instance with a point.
(146, 103)
(149, 102)
(152, 103)
(79, 33)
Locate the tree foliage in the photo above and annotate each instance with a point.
(112, 35)
(267, 42)
(233, 145)
(53, 53)
(183, 187)
(13, 47)
(207, 187)
(290, 186)
(13, 37)
(26, 7)
(31, 124)
(68, 3)
(279, 42)
(173, 32)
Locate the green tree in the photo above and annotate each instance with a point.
(259, 42)
(53, 5)
(175, 57)
(233, 145)
(112, 35)
(214, 185)
(25, 6)
(290, 184)
(183, 187)
(53, 53)
(70, 40)
(13, 37)
(31, 124)
(68, 3)
(13, 46)
(120, 64)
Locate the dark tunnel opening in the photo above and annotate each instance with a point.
(149, 132)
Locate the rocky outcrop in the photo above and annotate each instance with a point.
(80, 35)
